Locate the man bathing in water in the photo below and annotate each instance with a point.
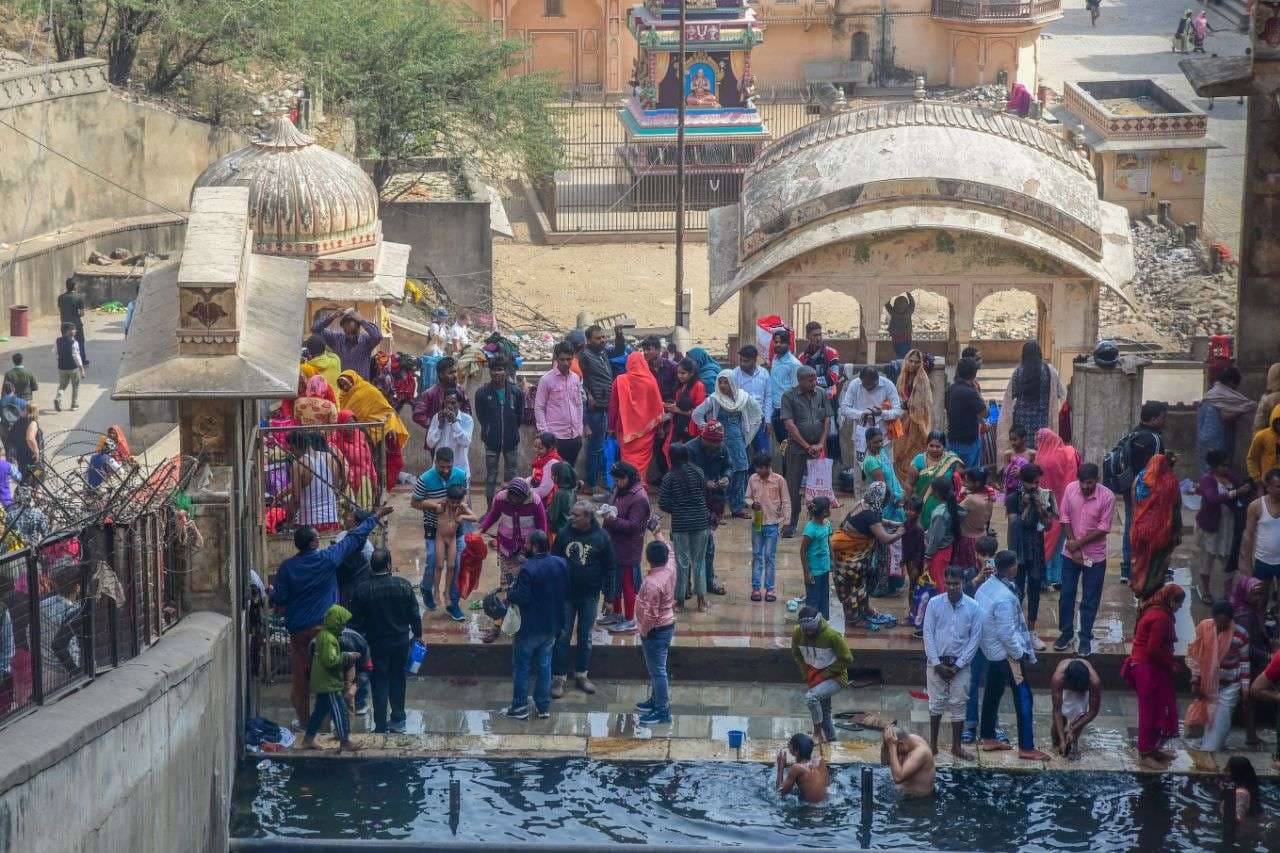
(910, 761)
(808, 776)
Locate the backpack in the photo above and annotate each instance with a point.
(1117, 472)
(1117, 465)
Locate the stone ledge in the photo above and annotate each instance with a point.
(57, 80)
(93, 229)
(45, 737)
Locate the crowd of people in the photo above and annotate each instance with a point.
(681, 436)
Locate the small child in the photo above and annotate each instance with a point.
(328, 684)
(913, 554)
(566, 495)
(1015, 457)
(815, 556)
(453, 512)
(771, 505)
(356, 675)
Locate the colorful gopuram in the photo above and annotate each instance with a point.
(723, 130)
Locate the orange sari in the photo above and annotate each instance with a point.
(1156, 498)
(637, 403)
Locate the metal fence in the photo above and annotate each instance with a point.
(313, 475)
(611, 184)
(79, 603)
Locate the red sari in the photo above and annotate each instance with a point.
(1156, 498)
(1150, 668)
(635, 411)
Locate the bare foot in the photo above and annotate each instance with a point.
(994, 746)
(819, 736)
(1033, 755)
(1161, 755)
(962, 753)
(1146, 762)
(348, 746)
(703, 607)
(307, 743)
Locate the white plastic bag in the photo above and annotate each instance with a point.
(817, 482)
(511, 622)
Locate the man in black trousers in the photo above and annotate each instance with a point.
(384, 609)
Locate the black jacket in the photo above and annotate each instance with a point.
(385, 610)
(67, 353)
(597, 376)
(589, 554)
(500, 422)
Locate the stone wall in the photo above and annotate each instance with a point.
(450, 241)
(142, 759)
(154, 156)
(44, 263)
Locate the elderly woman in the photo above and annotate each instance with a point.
(318, 405)
(369, 406)
(852, 548)
(1033, 397)
(917, 413)
(1249, 610)
(739, 414)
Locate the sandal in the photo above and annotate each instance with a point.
(756, 596)
(770, 596)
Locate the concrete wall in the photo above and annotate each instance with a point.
(449, 240)
(1138, 180)
(44, 263)
(69, 107)
(141, 760)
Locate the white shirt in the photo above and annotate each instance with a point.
(456, 436)
(757, 385)
(856, 400)
(460, 335)
(1004, 631)
(951, 630)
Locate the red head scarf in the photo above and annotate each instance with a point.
(639, 400)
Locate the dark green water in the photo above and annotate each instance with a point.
(510, 801)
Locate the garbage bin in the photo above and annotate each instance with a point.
(18, 321)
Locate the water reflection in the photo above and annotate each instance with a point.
(726, 804)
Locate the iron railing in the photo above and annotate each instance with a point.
(315, 474)
(79, 603)
(610, 183)
(978, 10)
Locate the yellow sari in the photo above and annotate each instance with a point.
(369, 406)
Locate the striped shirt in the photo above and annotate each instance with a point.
(432, 487)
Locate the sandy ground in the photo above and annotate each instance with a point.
(639, 279)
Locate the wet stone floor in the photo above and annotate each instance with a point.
(453, 716)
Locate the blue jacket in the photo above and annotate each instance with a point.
(541, 589)
(307, 584)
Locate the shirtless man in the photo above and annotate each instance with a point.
(1077, 696)
(910, 761)
(809, 775)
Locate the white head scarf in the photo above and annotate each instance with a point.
(737, 401)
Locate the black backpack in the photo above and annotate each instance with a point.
(1117, 465)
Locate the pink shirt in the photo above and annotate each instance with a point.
(656, 601)
(1086, 515)
(557, 406)
(772, 495)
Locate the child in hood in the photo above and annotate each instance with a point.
(328, 683)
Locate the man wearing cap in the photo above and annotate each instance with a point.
(709, 454)
(354, 341)
(805, 416)
(824, 658)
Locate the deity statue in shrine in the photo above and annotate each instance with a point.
(700, 94)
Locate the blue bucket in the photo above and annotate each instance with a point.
(735, 738)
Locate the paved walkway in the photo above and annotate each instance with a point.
(67, 432)
(462, 716)
(1132, 40)
(735, 621)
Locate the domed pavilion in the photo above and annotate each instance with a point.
(917, 195)
(308, 202)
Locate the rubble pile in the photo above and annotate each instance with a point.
(1175, 292)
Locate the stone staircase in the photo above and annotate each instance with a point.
(1234, 12)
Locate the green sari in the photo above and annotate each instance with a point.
(944, 467)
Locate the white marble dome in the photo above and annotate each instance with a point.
(304, 200)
